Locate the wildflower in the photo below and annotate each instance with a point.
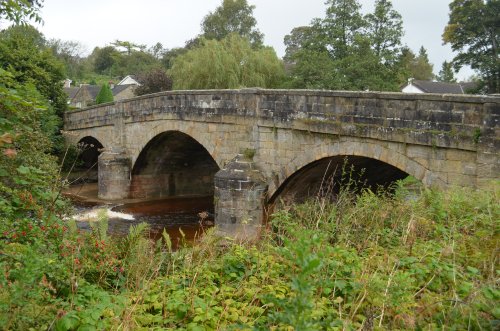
(10, 153)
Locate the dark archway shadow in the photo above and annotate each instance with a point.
(173, 164)
(86, 166)
(326, 177)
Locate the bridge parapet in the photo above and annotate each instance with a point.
(437, 120)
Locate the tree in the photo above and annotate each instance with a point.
(446, 73)
(413, 66)
(71, 54)
(422, 68)
(342, 27)
(153, 81)
(385, 30)
(228, 63)
(104, 59)
(298, 38)
(25, 54)
(18, 11)
(233, 16)
(157, 50)
(346, 50)
(473, 31)
(127, 46)
(104, 95)
(134, 64)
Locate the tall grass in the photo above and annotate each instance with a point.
(405, 260)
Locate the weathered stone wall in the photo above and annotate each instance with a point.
(440, 139)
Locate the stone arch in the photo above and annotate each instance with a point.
(173, 163)
(90, 149)
(99, 134)
(196, 130)
(392, 154)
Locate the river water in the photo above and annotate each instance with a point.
(182, 217)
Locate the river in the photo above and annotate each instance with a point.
(186, 217)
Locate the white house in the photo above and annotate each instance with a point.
(427, 86)
(129, 80)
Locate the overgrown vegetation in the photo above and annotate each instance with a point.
(405, 261)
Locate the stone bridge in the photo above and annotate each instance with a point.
(252, 147)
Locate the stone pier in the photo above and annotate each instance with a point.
(240, 195)
(114, 174)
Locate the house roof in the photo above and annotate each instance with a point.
(93, 90)
(120, 88)
(428, 86)
(71, 91)
(129, 77)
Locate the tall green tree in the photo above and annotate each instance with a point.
(320, 51)
(422, 67)
(385, 30)
(473, 31)
(446, 74)
(342, 27)
(104, 95)
(298, 38)
(229, 63)
(345, 50)
(232, 16)
(415, 66)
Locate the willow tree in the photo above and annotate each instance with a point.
(226, 64)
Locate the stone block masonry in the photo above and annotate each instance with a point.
(442, 140)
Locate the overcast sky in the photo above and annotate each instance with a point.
(172, 22)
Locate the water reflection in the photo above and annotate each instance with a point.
(184, 218)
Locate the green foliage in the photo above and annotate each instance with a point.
(232, 17)
(27, 170)
(19, 11)
(446, 74)
(420, 261)
(24, 53)
(416, 67)
(225, 64)
(104, 59)
(385, 31)
(476, 40)
(347, 51)
(153, 81)
(70, 53)
(104, 95)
